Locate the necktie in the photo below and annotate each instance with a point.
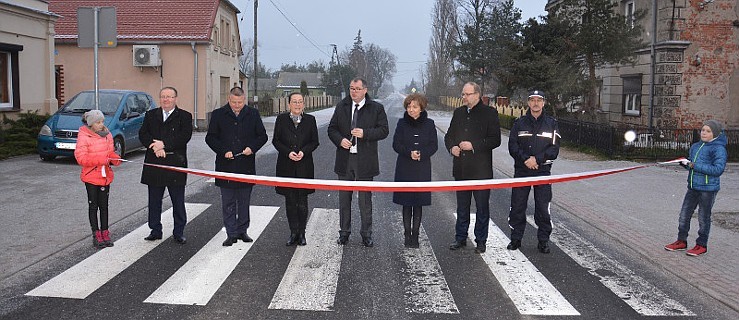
(354, 115)
(354, 121)
(166, 115)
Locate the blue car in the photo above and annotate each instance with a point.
(124, 114)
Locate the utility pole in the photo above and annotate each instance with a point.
(338, 62)
(256, 4)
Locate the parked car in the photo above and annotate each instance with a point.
(124, 114)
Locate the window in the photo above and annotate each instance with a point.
(10, 95)
(632, 94)
(6, 87)
(629, 13)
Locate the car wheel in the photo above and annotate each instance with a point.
(120, 149)
(47, 157)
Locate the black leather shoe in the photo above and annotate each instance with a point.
(229, 241)
(180, 239)
(367, 242)
(543, 247)
(152, 237)
(245, 237)
(342, 240)
(480, 248)
(457, 245)
(301, 239)
(514, 245)
(292, 240)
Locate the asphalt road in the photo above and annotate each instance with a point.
(45, 233)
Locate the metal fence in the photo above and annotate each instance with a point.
(275, 106)
(657, 144)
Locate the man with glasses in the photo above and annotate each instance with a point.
(355, 127)
(473, 133)
(166, 132)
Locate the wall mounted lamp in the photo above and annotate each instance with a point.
(703, 4)
(697, 61)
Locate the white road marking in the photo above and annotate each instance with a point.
(529, 290)
(639, 294)
(197, 281)
(84, 278)
(311, 277)
(426, 290)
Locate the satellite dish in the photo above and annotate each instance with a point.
(142, 56)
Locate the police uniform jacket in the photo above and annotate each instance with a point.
(480, 126)
(538, 137)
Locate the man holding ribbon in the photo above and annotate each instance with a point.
(235, 134)
(474, 132)
(356, 125)
(534, 144)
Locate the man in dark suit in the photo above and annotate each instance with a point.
(355, 127)
(474, 132)
(235, 134)
(166, 131)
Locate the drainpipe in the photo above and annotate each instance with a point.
(195, 86)
(654, 64)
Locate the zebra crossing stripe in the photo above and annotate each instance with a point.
(426, 290)
(311, 277)
(529, 290)
(84, 278)
(634, 290)
(197, 281)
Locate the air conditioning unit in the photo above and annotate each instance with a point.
(146, 56)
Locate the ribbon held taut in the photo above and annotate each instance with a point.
(384, 186)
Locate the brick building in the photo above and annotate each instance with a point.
(696, 66)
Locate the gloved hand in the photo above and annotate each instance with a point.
(685, 163)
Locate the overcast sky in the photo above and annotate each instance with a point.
(403, 27)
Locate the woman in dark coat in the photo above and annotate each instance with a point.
(295, 138)
(415, 142)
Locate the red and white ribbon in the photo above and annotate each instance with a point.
(384, 186)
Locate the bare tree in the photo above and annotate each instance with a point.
(380, 66)
(440, 65)
(246, 59)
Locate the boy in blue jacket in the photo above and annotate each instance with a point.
(705, 165)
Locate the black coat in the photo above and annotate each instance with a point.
(175, 133)
(538, 137)
(227, 132)
(414, 134)
(373, 120)
(288, 138)
(482, 128)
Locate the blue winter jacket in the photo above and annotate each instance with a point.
(709, 159)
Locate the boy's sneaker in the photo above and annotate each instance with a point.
(677, 245)
(696, 251)
(106, 238)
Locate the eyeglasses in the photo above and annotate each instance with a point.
(356, 89)
(464, 94)
(167, 97)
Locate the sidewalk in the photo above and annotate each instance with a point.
(640, 209)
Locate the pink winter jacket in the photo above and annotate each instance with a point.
(93, 153)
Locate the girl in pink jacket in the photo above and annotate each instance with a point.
(95, 153)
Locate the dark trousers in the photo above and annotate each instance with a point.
(345, 202)
(519, 203)
(177, 195)
(296, 206)
(464, 199)
(97, 198)
(235, 204)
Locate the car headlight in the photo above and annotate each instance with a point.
(45, 131)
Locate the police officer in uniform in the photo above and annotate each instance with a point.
(533, 144)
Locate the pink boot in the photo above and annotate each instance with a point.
(97, 239)
(106, 238)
